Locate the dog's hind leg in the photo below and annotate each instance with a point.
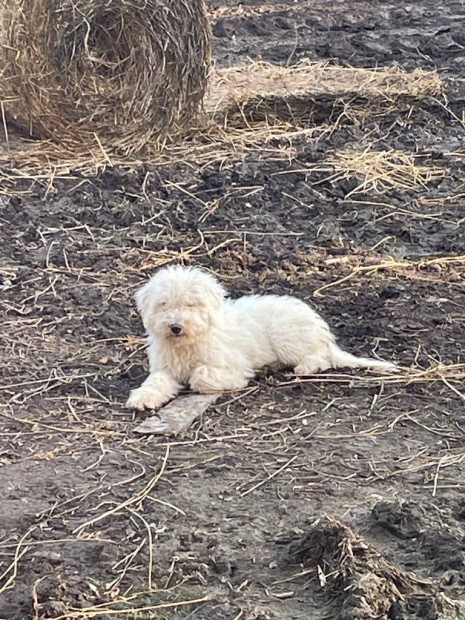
(312, 364)
(157, 389)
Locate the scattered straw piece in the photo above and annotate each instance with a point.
(133, 611)
(382, 170)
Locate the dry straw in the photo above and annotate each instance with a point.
(259, 91)
(117, 74)
(247, 108)
(382, 170)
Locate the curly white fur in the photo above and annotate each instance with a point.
(197, 337)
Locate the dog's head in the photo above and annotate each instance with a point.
(180, 302)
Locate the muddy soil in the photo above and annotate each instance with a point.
(203, 526)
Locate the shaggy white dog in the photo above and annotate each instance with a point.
(198, 337)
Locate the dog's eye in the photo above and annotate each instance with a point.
(162, 304)
(190, 304)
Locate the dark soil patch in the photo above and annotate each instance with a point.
(77, 528)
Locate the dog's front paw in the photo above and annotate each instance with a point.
(141, 399)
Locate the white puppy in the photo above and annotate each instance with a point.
(198, 337)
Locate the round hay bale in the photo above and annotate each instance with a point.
(119, 73)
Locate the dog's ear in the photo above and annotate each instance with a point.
(142, 298)
(216, 293)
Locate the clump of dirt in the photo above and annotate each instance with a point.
(446, 551)
(360, 580)
(400, 518)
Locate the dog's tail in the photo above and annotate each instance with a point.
(342, 359)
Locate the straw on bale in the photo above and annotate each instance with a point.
(120, 73)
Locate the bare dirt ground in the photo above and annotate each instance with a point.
(97, 522)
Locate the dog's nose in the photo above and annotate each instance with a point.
(176, 329)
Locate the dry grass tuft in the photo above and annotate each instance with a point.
(117, 75)
(382, 170)
(365, 584)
